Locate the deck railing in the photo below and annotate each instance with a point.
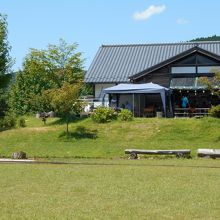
(191, 112)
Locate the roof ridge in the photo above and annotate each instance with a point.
(160, 44)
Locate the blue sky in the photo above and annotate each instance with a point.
(91, 23)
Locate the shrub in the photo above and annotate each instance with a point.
(104, 114)
(21, 122)
(125, 115)
(7, 122)
(215, 111)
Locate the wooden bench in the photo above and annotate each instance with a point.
(149, 112)
(212, 153)
(179, 153)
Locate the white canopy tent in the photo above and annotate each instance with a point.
(145, 88)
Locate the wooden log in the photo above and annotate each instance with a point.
(133, 156)
(19, 155)
(213, 153)
(178, 153)
(139, 151)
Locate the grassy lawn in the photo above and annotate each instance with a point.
(91, 140)
(111, 189)
(104, 188)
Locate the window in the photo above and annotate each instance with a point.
(181, 70)
(208, 69)
(182, 83)
(191, 83)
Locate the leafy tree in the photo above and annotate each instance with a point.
(5, 59)
(213, 84)
(60, 62)
(5, 62)
(65, 100)
(86, 89)
(43, 70)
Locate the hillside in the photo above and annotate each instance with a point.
(211, 38)
(91, 140)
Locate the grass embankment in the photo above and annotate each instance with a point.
(92, 140)
(121, 189)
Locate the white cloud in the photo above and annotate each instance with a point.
(182, 21)
(146, 14)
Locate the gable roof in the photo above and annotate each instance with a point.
(119, 63)
(175, 58)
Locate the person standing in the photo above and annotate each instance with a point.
(129, 106)
(185, 102)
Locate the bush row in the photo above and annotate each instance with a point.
(104, 114)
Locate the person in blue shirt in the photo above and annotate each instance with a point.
(129, 106)
(185, 102)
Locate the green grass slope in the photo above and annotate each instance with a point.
(92, 140)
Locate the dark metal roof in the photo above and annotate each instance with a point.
(118, 63)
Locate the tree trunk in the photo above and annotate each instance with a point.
(67, 124)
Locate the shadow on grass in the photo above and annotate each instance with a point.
(3, 129)
(6, 129)
(62, 121)
(80, 132)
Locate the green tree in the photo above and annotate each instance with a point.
(65, 100)
(5, 62)
(213, 84)
(217, 83)
(43, 70)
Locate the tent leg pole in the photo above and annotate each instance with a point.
(133, 104)
(139, 105)
(103, 100)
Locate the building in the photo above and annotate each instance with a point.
(177, 66)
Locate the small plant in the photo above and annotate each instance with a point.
(104, 114)
(125, 115)
(21, 122)
(215, 111)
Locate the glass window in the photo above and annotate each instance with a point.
(182, 83)
(208, 69)
(201, 84)
(187, 69)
